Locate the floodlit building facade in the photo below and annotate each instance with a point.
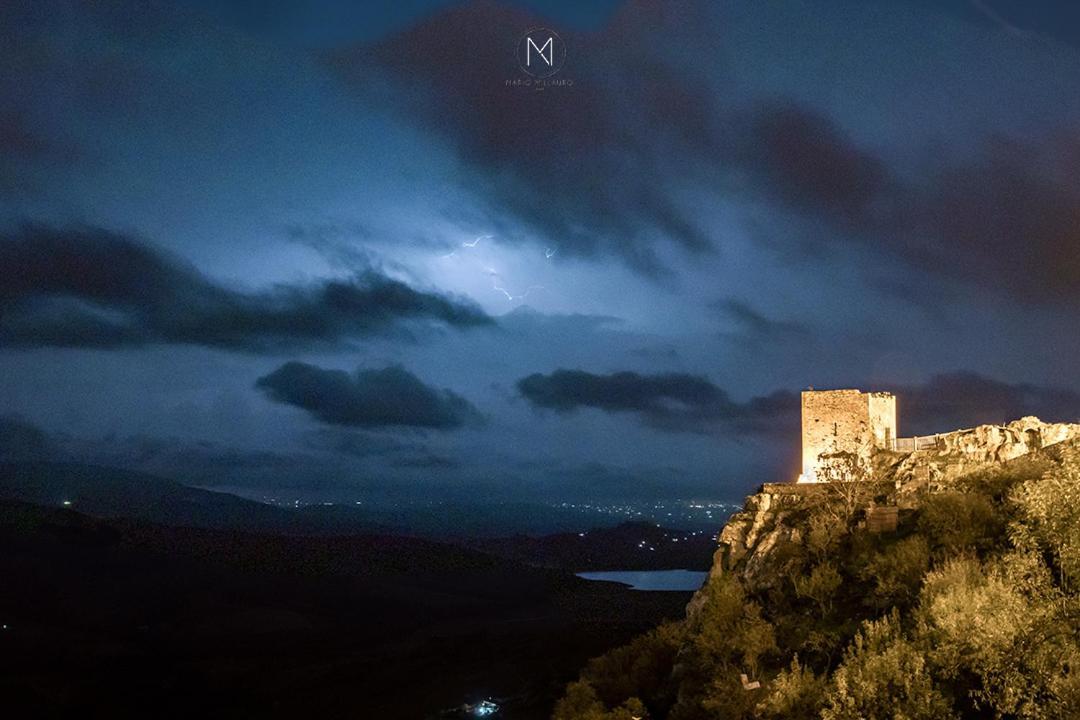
(841, 428)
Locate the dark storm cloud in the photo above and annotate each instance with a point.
(393, 450)
(581, 165)
(964, 399)
(376, 448)
(18, 140)
(805, 161)
(1029, 21)
(157, 452)
(92, 56)
(369, 398)
(599, 167)
(593, 480)
(202, 461)
(26, 154)
(1006, 218)
(671, 401)
(94, 288)
(753, 323)
(346, 441)
(22, 441)
(1010, 220)
(682, 402)
(427, 462)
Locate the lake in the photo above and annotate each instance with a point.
(681, 580)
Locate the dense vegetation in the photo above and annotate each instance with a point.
(970, 609)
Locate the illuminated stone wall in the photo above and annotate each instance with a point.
(841, 428)
(882, 407)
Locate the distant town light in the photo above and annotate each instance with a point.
(67, 503)
(485, 708)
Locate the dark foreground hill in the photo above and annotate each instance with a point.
(121, 618)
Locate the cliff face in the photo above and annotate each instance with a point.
(752, 540)
(751, 535)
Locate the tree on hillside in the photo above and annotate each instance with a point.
(640, 669)
(1050, 517)
(823, 534)
(845, 486)
(730, 632)
(819, 585)
(581, 703)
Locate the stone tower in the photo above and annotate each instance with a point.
(844, 426)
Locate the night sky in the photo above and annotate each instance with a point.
(327, 249)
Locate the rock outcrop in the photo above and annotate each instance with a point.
(749, 542)
(948, 456)
(750, 539)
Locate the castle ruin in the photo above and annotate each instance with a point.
(851, 435)
(842, 430)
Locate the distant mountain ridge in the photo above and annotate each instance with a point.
(115, 492)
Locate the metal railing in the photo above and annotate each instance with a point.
(913, 444)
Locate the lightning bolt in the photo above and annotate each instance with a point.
(476, 241)
(996, 17)
(509, 296)
(494, 274)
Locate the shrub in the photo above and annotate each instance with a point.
(897, 572)
(579, 703)
(794, 694)
(729, 630)
(955, 523)
(642, 668)
(884, 676)
(823, 534)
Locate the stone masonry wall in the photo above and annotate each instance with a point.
(882, 408)
(843, 422)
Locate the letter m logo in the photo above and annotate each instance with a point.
(549, 46)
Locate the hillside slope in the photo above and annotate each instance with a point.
(940, 593)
